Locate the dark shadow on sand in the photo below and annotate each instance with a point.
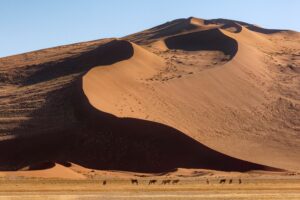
(106, 54)
(227, 22)
(104, 141)
(209, 40)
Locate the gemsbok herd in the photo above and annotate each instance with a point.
(176, 181)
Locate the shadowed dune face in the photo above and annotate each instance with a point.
(104, 141)
(106, 54)
(41, 166)
(232, 27)
(210, 40)
(140, 145)
(229, 23)
(46, 65)
(44, 90)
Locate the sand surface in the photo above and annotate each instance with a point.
(219, 96)
(260, 189)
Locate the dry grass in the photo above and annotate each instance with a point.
(123, 189)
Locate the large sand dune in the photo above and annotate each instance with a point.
(191, 93)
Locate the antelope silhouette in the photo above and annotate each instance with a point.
(152, 182)
(164, 182)
(222, 181)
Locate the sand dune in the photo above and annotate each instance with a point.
(56, 171)
(191, 93)
(238, 90)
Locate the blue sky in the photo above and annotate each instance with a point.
(28, 25)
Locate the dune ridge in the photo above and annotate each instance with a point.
(225, 92)
(242, 93)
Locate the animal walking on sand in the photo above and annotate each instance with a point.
(175, 181)
(152, 182)
(134, 181)
(164, 182)
(222, 181)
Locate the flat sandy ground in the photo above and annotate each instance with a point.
(258, 189)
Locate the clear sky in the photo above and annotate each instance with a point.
(28, 25)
